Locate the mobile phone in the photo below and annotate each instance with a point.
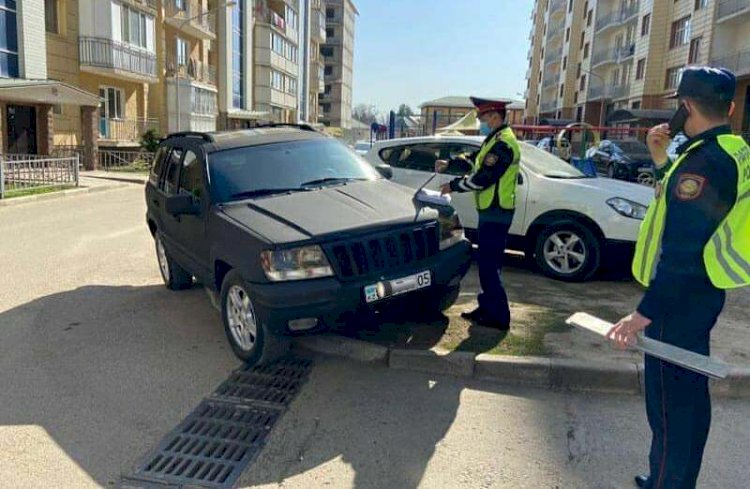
(677, 122)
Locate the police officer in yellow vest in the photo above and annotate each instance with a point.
(493, 182)
(694, 243)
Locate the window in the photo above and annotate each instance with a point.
(329, 32)
(110, 103)
(325, 108)
(695, 50)
(173, 171)
(582, 86)
(562, 89)
(327, 90)
(567, 34)
(137, 28)
(640, 69)
(578, 71)
(191, 176)
(575, 97)
(50, 16)
(645, 25)
(277, 80)
(328, 71)
(238, 56)
(585, 50)
(565, 62)
(326, 51)
(330, 13)
(570, 6)
(680, 33)
(589, 18)
(673, 77)
(8, 39)
(57, 109)
(583, 38)
(700, 4)
(292, 19)
(181, 51)
(636, 105)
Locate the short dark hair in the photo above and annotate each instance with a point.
(713, 108)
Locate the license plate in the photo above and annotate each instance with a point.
(644, 169)
(399, 286)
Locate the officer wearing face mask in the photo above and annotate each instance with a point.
(694, 243)
(493, 182)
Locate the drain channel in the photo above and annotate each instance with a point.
(214, 444)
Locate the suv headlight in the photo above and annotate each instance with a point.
(451, 230)
(627, 208)
(295, 264)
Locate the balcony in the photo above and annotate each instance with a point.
(192, 69)
(612, 55)
(618, 18)
(557, 8)
(550, 106)
(112, 58)
(194, 105)
(732, 10)
(738, 62)
(608, 91)
(190, 17)
(125, 130)
(553, 57)
(318, 27)
(555, 30)
(551, 81)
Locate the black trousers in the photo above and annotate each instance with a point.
(678, 404)
(492, 238)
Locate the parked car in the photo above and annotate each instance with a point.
(566, 220)
(532, 142)
(624, 160)
(296, 233)
(549, 144)
(362, 147)
(677, 141)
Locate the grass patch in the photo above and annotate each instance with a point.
(25, 192)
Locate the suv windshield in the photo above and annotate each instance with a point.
(283, 167)
(547, 164)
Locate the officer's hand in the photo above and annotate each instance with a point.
(445, 189)
(441, 166)
(624, 332)
(658, 141)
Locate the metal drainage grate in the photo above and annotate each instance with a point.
(274, 385)
(214, 443)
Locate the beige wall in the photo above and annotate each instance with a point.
(63, 65)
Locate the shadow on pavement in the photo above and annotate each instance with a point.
(103, 372)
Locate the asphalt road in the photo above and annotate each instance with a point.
(98, 361)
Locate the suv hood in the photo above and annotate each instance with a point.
(609, 188)
(301, 216)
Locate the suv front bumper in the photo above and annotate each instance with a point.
(330, 300)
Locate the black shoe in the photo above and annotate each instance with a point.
(480, 318)
(641, 480)
(474, 315)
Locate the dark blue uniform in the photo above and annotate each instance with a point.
(493, 232)
(683, 306)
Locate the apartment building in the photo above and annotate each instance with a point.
(312, 35)
(338, 58)
(616, 60)
(32, 94)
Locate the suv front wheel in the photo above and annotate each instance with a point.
(245, 326)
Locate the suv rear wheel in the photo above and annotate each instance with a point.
(245, 325)
(175, 277)
(567, 250)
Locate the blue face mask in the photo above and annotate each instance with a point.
(484, 129)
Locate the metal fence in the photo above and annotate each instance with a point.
(20, 172)
(111, 160)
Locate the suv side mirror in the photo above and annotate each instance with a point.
(181, 204)
(385, 170)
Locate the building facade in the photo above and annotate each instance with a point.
(338, 60)
(312, 35)
(588, 59)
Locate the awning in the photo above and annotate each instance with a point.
(49, 92)
(469, 122)
(247, 114)
(638, 115)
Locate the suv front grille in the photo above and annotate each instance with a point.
(384, 252)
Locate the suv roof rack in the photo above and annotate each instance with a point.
(304, 127)
(192, 134)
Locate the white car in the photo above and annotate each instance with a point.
(549, 144)
(362, 147)
(563, 218)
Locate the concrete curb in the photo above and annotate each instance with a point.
(58, 195)
(120, 178)
(549, 373)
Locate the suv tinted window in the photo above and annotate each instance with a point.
(157, 166)
(288, 165)
(191, 177)
(173, 171)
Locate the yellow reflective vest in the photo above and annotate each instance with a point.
(505, 189)
(726, 256)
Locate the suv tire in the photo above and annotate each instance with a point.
(568, 251)
(175, 277)
(246, 326)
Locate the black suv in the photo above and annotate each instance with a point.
(296, 232)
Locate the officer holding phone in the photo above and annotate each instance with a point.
(693, 244)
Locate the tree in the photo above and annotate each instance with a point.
(404, 111)
(365, 113)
